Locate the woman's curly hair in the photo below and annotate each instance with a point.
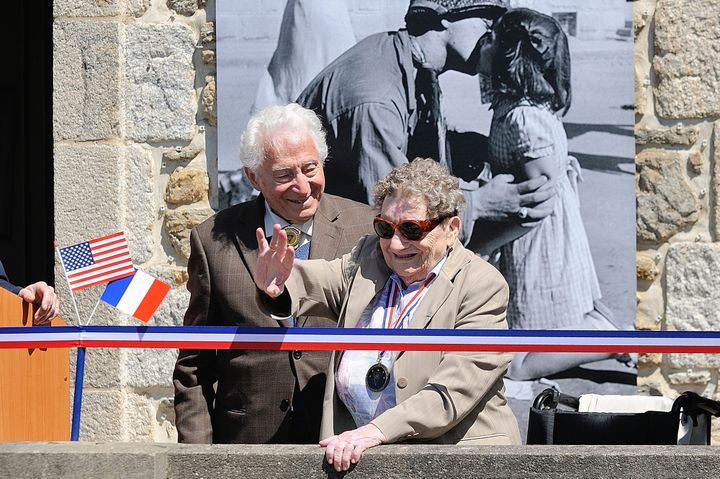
(426, 179)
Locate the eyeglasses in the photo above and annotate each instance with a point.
(413, 230)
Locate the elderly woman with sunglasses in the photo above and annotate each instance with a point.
(413, 274)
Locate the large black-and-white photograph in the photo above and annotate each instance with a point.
(531, 109)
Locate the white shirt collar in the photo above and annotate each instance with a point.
(272, 218)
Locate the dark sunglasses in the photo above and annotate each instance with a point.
(413, 230)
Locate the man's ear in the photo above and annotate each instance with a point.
(250, 174)
(445, 23)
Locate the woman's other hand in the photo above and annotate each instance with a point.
(274, 263)
(346, 449)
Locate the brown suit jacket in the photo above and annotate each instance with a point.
(244, 396)
(445, 398)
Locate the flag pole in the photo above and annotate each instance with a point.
(93, 312)
(77, 312)
(79, 364)
(77, 394)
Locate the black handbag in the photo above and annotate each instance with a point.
(549, 424)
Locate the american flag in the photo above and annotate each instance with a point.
(97, 261)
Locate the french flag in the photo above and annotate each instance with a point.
(138, 295)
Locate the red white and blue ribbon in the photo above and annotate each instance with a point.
(324, 339)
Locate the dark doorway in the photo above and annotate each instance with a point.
(26, 170)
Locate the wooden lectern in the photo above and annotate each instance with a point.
(34, 383)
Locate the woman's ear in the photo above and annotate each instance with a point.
(445, 23)
(453, 226)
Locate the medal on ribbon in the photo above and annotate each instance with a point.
(293, 235)
(377, 377)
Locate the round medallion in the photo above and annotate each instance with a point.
(293, 236)
(377, 377)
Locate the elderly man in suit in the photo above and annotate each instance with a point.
(242, 396)
(40, 294)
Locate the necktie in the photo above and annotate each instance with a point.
(303, 251)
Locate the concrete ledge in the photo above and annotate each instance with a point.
(159, 461)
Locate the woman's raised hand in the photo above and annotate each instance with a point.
(274, 263)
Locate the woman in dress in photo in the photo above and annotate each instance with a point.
(525, 62)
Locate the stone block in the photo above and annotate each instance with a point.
(639, 21)
(642, 86)
(187, 185)
(86, 80)
(171, 274)
(172, 311)
(685, 360)
(652, 385)
(253, 461)
(649, 360)
(207, 33)
(666, 202)
(89, 208)
(143, 210)
(645, 266)
(690, 377)
(159, 95)
(180, 221)
(86, 301)
(102, 366)
(184, 153)
(183, 7)
(697, 161)
(147, 368)
(209, 96)
(99, 418)
(95, 8)
(715, 201)
(693, 303)
(650, 309)
(208, 57)
(677, 135)
(164, 429)
(685, 35)
(138, 416)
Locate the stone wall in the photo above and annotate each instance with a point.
(134, 108)
(676, 132)
(190, 461)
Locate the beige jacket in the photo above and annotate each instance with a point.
(445, 398)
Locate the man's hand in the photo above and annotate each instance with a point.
(274, 263)
(501, 200)
(44, 297)
(347, 448)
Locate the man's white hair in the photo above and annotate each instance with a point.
(276, 121)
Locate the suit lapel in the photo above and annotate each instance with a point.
(438, 292)
(437, 295)
(326, 231)
(245, 241)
